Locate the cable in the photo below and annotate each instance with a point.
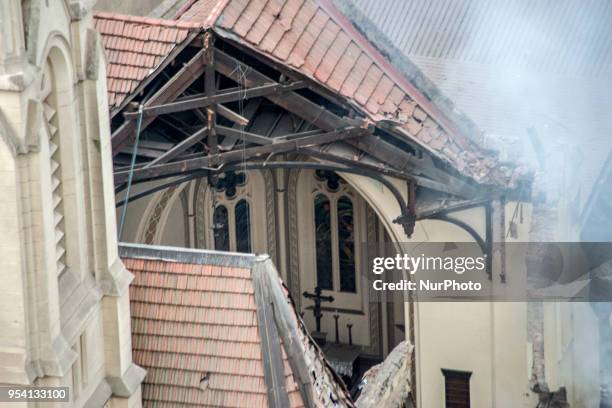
(131, 174)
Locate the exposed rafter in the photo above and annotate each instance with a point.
(282, 146)
(229, 114)
(179, 148)
(246, 136)
(323, 118)
(170, 91)
(202, 101)
(249, 112)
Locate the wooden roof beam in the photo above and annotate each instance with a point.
(249, 112)
(324, 119)
(221, 97)
(246, 136)
(284, 146)
(179, 148)
(170, 91)
(229, 114)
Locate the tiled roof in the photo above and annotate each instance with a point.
(315, 39)
(195, 329)
(135, 48)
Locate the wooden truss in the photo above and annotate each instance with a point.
(206, 117)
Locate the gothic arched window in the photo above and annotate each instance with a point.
(334, 234)
(323, 230)
(221, 228)
(346, 244)
(243, 226)
(231, 215)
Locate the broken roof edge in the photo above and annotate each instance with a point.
(410, 72)
(407, 72)
(383, 124)
(189, 255)
(298, 345)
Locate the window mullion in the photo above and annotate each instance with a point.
(231, 221)
(335, 244)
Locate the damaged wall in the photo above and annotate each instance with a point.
(388, 384)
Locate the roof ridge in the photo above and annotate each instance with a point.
(162, 22)
(211, 18)
(369, 47)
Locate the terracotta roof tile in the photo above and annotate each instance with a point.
(265, 21)
(310, 36)
(135, 47)
(332, 57)
(248, 17)
(344, 66)
(292, 32)
(356, 75)
(280, 25)
(195, 330)
(368, 84)
(325, 39)
(307, 39)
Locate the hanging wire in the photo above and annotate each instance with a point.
(131, 174)
(242, 73)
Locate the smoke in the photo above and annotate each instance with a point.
(536, 77)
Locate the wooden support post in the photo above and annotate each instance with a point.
(209, 90)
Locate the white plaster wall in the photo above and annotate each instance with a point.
(487, 339)
(36, 343)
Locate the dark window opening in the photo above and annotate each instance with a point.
(346, 245)
(221, 228)
(457, 388)
(322, 215)
(243, 229)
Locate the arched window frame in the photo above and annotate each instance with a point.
(57, 86)
(351, 300)
(258, 191)
(218, 198)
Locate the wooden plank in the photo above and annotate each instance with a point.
(152, 144)
(172, 89)
(169, 169)
(249, 112)
(231, 115)
(240, 134)
(288, 327)
(273, 365)
(380, 168)
(290, 101)
(210, 88)
(297, 135)
(202, 101)
(142, 151)
(180, 147)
